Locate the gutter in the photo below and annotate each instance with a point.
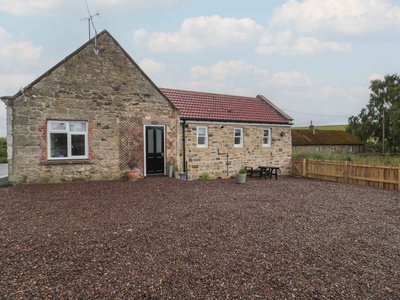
(230, 122)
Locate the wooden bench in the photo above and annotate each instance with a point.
(268, 172)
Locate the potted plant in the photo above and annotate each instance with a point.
(170, 169)
(176, 171)
(241, 176)
(133, 173)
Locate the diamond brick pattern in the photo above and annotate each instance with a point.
(132, 143)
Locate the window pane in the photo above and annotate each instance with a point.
(266, 137)
(237, 140)
(77, 126)
(78, 144)
(159, 143)
(58, 144)
(150, 141)
(237, 132)
(58, 126)
(201, 131)
(202, 140)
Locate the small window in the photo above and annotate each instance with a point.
(267, 137)
(202, 137)
(67, 140)
(238, 137)
(333, 148)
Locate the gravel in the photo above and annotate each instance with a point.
(163, 238)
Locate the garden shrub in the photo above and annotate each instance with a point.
(205, 176)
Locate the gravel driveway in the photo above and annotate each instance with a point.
(163, 238)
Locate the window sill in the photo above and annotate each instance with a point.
(67, 162)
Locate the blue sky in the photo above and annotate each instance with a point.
(312, 58)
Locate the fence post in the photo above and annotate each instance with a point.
(346, 172)
(398, 179)
(303, 169)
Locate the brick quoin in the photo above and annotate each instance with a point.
(43, 142)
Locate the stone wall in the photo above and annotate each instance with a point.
(222, 160)
(108, 91)
(330, 148)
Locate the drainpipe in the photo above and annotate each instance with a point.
(184, 146)
(227, 161)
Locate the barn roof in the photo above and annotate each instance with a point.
(305, 137)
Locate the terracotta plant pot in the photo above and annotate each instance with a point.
(132, 175)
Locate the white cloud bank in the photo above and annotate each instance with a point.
(283, 43)
(200, 33)
(351, 17)
(16, 54)
(18, 59)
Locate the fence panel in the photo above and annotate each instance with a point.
(378, 176)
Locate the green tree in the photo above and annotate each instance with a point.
(378, 124)
(3, 149)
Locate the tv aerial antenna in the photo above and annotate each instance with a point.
(91, 24)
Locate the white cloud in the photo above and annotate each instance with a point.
(150, 66)
(323, 104)
(16, 54)
(58, 7)
(10, 84)
(198, 33)
(282, 43)
(376, 76)
(227, 77)
(292, 79)
(229, 70)
(311, 45)
(352, 17)
(25, 7)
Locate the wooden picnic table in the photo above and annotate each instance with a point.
(268, 171)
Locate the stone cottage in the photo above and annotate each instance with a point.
(96, 113)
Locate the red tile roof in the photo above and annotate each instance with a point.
(219, 107)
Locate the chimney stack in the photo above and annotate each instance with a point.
(311, 127)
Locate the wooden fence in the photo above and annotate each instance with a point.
(378, 176)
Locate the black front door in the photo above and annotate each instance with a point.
(154, 150)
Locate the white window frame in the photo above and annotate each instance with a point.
(268, 144)
(69, 133)
(199, 145)
(240, 137)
